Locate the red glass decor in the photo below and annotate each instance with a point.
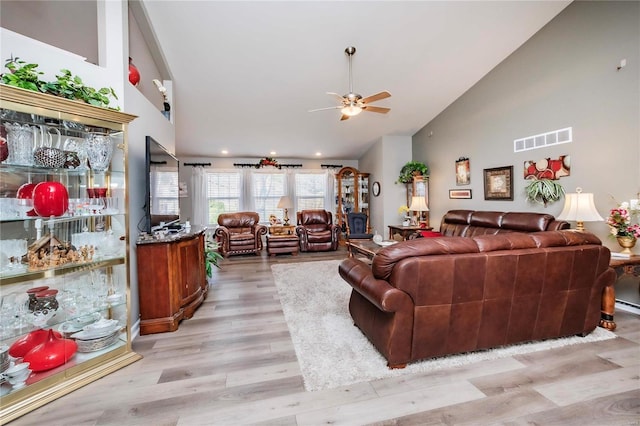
(50, 199)
(4, 149)
(51, 353)
(25, 197)
(24, 344)
(134, 74)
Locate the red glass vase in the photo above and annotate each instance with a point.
(23, 345)
(134, 74)
(50, 199)
(51, 353)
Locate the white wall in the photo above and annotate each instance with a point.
(565, 75)
(384, 161)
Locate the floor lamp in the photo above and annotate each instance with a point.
(579, 208)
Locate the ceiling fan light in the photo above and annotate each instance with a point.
(351, 110)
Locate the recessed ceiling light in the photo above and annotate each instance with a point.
(224, 151)
(272, 153)
(318, 154)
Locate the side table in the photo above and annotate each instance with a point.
(282, 229)
(405, 231)
(630, 266)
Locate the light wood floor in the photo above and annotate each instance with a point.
(234, 363)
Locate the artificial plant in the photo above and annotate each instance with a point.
(411, 169)
(544, 191)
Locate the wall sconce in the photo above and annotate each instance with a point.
(579, 208)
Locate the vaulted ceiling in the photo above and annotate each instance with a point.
(246, 73)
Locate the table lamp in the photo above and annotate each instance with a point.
(285, 203)
(419, 205)
(579, 208)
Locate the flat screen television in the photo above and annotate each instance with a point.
(162, 193)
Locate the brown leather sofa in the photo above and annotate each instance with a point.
(317, 231)
(239, 233)
(467, 223)
(431, 297)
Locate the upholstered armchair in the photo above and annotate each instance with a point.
(358, 226)
(317, 231)
(240, 233)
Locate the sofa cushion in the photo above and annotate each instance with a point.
(526, 222)
(505, 241)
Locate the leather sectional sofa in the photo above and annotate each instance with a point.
(502, 278)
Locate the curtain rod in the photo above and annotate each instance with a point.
(196, 164)
(257, 166)
(331, 166)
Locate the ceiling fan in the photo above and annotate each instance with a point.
(353, 104)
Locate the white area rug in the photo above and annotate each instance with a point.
(332, 352)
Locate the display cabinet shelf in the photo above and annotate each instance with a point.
(66, 273)
(352, 194)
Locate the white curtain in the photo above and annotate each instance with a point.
(199, 204)
(330, 195)
(247, 202)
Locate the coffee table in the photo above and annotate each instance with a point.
(365, 247)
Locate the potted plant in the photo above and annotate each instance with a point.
(411, 169)
(544, 191)
(211, 256)
(26, 76)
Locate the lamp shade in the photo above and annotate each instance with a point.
(579, 207)
(285, 203)
(418, 204)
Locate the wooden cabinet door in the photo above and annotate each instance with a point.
(191, 272)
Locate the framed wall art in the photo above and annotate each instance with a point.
(463, 171)
(459, 193)
(498, 183)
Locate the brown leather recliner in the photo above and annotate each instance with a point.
(240, 233)
(317, 231)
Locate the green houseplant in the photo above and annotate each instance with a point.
(544, 191)
(211, 255)
(411, 169)
(26, 76)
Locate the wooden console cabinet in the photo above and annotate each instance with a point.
(171, 281)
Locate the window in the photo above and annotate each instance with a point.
(267, 189)
(310, 191)
(224, 191)
(164, 191)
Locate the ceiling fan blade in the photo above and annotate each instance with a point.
(337, 95)
(344, 117)
(324, 109)
(376, 97)
(371, 108)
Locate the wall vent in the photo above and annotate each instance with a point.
(543, 139)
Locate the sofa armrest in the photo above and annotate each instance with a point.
(223, 235)
(259, 230)
(379, 292)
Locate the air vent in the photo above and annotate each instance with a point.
(544, 139)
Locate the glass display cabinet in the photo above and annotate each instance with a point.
(352, 194)
(64, 286)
